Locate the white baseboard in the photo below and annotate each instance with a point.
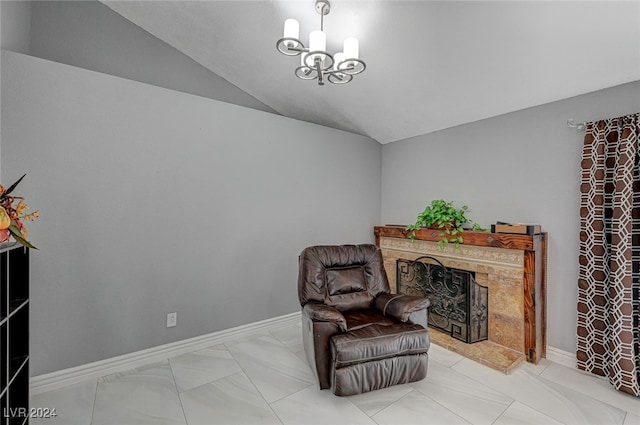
(74, 375)
(564, 358)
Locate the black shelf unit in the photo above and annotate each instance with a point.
(14, 334)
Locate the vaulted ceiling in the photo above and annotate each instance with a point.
(430, 64)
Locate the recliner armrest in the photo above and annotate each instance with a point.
(400, 307)
(318, 312)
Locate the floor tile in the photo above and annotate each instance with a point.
(559, 402)
(416, 409)
(232, 400)
(194, 369)
(274, 369)
(263, 377)
(72, 404)
(536, 369)
(593, 386)
(631, 419)
(519, 414)
(374, 401)
(312, 406)
(443, 356)
(290, 336)
(462, 395)
(146, 396)
(302, 355)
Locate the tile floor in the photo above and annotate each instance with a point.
(264, 379)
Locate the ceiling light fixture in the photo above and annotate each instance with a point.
(315, 62)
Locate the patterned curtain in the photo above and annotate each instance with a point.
(608, 283)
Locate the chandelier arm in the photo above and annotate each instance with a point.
(287, 50)
(298, 49)
(305, 73)
(338, 71)
(336, 78)
(353, 68)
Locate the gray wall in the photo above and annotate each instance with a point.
(154, 201)
(521, 167)
(89, 35)
(16, 25)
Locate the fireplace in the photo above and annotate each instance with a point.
(512, 267)
(459, 305)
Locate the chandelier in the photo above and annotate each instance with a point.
(315, 61)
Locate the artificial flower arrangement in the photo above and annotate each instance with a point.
(12, 217)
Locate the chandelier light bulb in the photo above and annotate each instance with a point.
(291, 30)
(351, 48)
(317, 41)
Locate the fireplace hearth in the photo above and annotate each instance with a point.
(459, 305)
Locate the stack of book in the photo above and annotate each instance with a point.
(516, 228)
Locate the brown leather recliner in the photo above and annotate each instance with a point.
(357, 336)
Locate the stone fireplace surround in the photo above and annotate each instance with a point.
(512, 267)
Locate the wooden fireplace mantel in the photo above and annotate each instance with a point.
(497, 240)
(530, 251)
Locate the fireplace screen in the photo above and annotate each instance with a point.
(459, 305)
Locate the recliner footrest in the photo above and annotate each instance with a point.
(363, 377)
(378, 342)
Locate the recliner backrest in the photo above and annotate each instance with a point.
(347, 277)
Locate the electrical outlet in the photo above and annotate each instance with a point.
(172, 320)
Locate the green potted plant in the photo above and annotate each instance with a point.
(442, 215)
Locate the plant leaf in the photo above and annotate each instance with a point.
(15, 231)
(13, 186)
